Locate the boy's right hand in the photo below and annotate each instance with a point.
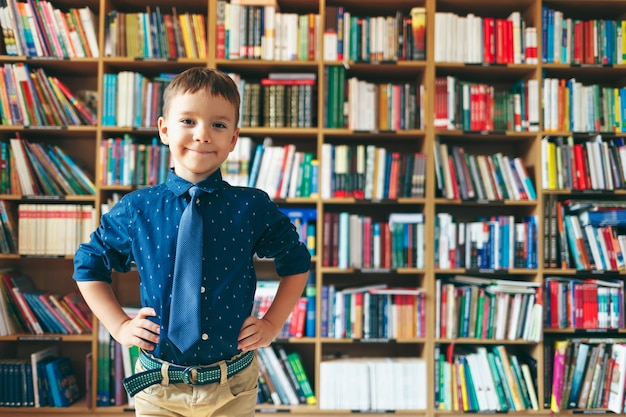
(139, 331)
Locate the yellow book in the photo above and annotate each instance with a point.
(454, 392)
(184, 28)
(383, 95)
(551, 150)
(464, 393)
(617, 112)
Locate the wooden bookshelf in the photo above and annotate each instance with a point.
(83, 143)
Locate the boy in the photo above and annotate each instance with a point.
(215, 373)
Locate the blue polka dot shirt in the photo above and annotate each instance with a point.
(238, 222)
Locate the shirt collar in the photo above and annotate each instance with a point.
(180, 186)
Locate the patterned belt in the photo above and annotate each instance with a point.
(190, 375)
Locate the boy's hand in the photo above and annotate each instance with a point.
(139, 331)
(256, 333)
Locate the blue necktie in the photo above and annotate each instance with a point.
(184, 325)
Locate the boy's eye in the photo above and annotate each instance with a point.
(186, 121)
(219, 125)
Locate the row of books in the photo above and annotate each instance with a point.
(32, 168)
(301, 320)
(581, 41)
(383, 106)
(115, 362)
(498, 243)
(362, 105)
(371, 384)
(262, 32)
(373, 312)
(128, 161)
(30, 97)
(585, 374)
(282, 171)
(278, 100)
(468, 176)
(586, 235)
(152, 34)
(570, 105)
(474, 307)
(348, 37)
(372, 173)
(474, 39)
(25, 309)
(131, 99)
(472, 106)
(354, 240)
(594, 163)
(36, 28)
(282, 378)
(484, 379)
(53, 229)
(305, 222)
(575, 303)
(43, 379)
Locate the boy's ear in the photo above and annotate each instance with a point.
(162, 128)
(234, 139)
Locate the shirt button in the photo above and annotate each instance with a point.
(202, 290)
(205, 336)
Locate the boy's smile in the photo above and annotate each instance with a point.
(201, 130)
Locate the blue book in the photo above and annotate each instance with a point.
(310, 292)
(324, 311)
(256, 163)
(62, 382)
(579, 371)
(607, 217)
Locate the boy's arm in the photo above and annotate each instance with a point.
(256, 332)
(138, 331)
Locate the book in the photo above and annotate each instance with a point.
(62, 382)
(40, 378)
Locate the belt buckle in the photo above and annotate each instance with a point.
(188, 375)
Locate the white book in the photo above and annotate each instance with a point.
(296, 174)
(616, 388)
(515, 307)
(88, 19)
(488, 381)
(479, 386)
(233, 34)
(268, 38)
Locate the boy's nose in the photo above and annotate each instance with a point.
(201, 135)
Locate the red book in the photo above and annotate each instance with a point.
(367, 242)
(311, 37)
(327, 239)
(394, 175)
(335, 239)
(579, 158)
(220, 30)
(500, 41)
(578, 43)
(385, 237)
(453, 176)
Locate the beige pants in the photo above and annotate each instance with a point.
(231, 397)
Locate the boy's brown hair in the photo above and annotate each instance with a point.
(195, 79)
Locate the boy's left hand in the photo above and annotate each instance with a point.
(256, 333)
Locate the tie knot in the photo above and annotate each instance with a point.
(195, 191)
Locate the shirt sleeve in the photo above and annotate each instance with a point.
(282, 242)
(109, 247)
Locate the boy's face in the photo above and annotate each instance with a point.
(201, 131)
